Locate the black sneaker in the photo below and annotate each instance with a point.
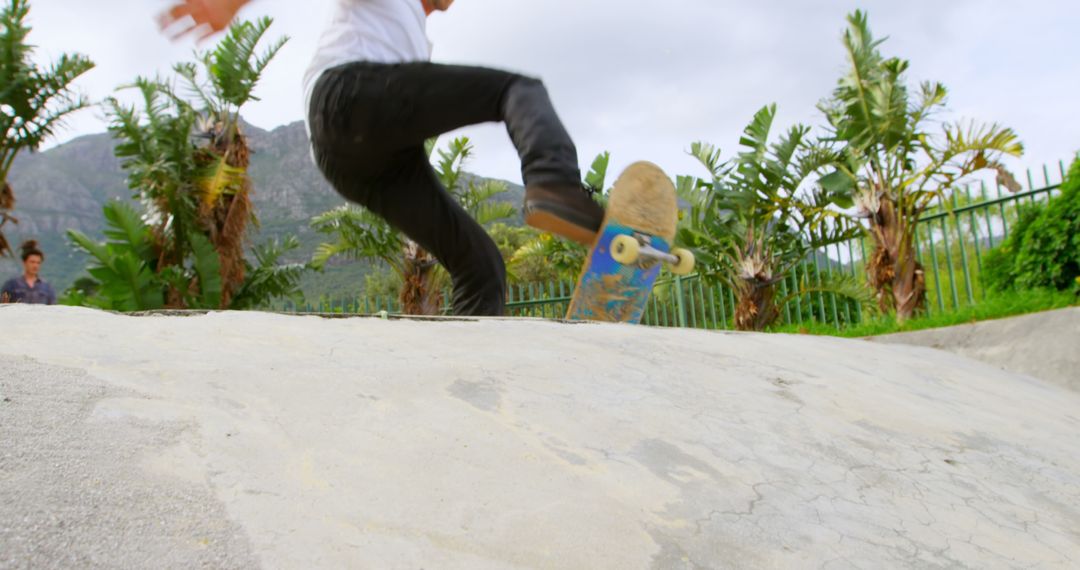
(565, 210)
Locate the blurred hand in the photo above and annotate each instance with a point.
(437, 5)
(204, 18)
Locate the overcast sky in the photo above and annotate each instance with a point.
(645, 78)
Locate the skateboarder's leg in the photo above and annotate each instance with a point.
(399, 106)
(424, 100)
(405, 191)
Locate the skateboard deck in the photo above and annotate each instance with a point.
(634, 241)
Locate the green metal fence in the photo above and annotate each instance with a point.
(950, 242)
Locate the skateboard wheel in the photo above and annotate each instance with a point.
(625, 249)
(686, 261)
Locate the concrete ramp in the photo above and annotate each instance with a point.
(244, 440)
(1045, 345)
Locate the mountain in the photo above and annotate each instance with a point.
(65, 188)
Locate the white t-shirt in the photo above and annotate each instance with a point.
(381, 31)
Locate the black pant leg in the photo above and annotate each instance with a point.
(401, 105)
(407, 194)
(422, 209)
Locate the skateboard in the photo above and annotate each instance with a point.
(634, 241)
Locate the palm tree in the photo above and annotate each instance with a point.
(154, 147)
(199, 188)
(359, 234)
(893, 167)
(233, 70)
(754, 219)
(33, 100)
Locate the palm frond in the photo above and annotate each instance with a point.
(785, 154)
(692, 190)
(15, 52)
(359, 235)
(34, 100)
(932, 96)
(451, 164)
(125, 226)
(597, 175)
(963, 138)
(234, 66)
(709, 156)
(83, 243)
(326, 251)
(755, 136)
(869, 107)
(843, 285)
(133, 287)
(966, 148)
(532, 249)
(487, 190)
(217, 178)
(489, 212)
(346, 216)
(269, 279)
(189, 72)
(124, 271)
(156, 152)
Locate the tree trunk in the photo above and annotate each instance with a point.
(909, 287)
(235, 211)
(7, 196)
(7, 203)
(893, 270)
(231, 214)
(420, 294)
(756, 308)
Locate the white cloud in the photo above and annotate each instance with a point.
(644, 79)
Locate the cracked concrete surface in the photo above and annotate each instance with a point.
(301, 442)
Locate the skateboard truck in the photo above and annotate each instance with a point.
(627, 249)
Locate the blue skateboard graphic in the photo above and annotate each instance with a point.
(632, 245)
(612, 291)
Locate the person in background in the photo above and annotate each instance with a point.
(29, 288)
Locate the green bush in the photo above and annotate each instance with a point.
(1043, 249)
(999, 269)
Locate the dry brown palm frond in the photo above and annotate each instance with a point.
(227, 234)
(217, 180)
(909, 295)
(7, 198)
(5, 247)
(225, 206)
(239, 152)
(882, 268)
(1006, 179)
(757, 307)
(420, 293)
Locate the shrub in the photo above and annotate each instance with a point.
(1044, 247)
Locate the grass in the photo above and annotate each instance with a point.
(995, 306)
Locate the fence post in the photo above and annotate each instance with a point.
(680, 302)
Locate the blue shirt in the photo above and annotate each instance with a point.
(17, 291)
